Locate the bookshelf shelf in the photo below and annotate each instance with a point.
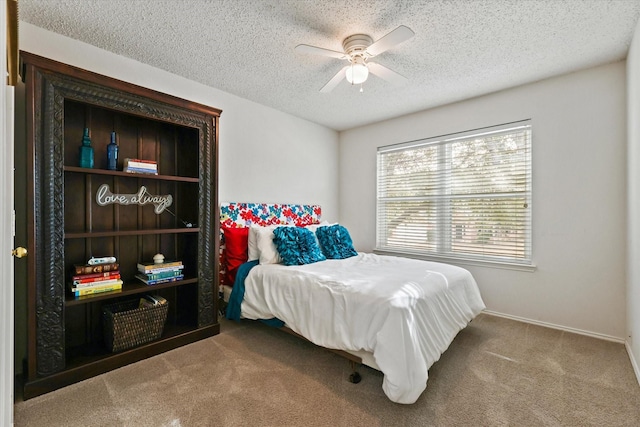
(70, 220)
(128, 288)
(77, 169)
(157, 231)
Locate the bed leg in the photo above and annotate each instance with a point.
(355, 375)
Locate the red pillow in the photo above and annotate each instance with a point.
(236, 251)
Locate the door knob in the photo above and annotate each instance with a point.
(19, 252)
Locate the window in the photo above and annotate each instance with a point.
(465, 196)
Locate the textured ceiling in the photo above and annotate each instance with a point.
(461, 48)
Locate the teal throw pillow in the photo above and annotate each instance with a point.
(297, 246)
(335, 242)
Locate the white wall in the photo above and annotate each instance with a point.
(265, 155)
(633, 201)
(579, 194)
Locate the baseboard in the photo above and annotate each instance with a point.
(634, 364)
(559, 327)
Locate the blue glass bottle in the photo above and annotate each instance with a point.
(86, 151)
(112, 153)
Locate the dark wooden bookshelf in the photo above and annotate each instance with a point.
(67, 225)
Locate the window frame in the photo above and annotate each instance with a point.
(443, 224)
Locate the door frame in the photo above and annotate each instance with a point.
(7, 228)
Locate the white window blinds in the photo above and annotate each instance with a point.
(465, 195)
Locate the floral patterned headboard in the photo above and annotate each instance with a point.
(234, 215)
(239, 215)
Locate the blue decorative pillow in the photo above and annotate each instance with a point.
(297, 246)
(335, 242)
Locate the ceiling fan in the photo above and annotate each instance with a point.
(358, 49)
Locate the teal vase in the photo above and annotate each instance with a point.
(86, 151)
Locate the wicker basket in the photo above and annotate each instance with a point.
(127, 325)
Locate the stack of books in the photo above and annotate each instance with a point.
(89, 279)
(140, 166)
(154, 274)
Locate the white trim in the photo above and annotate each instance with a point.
(6, 261)
(634, 364)
(558, 327)
(6, 237)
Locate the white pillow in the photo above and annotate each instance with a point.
(268, 251)
(260, 244)
(252, 243)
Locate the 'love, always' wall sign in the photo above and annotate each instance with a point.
(105, 197)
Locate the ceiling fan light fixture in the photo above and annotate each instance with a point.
(358, 49)
(357, 73)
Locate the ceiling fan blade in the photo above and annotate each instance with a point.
(313, 50)
(397, 36)
(334, 81)
(386, 74)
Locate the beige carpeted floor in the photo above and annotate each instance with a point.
(497, 372)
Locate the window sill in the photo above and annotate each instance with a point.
(459, 261)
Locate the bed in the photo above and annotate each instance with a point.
(396, 315)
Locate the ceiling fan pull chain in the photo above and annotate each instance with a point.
(361, 88)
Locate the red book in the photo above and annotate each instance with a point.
(94, 275)
(115, 275)
(151, 162)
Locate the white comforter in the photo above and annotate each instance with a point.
(406, 312)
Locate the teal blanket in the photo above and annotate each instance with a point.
(237, 295)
